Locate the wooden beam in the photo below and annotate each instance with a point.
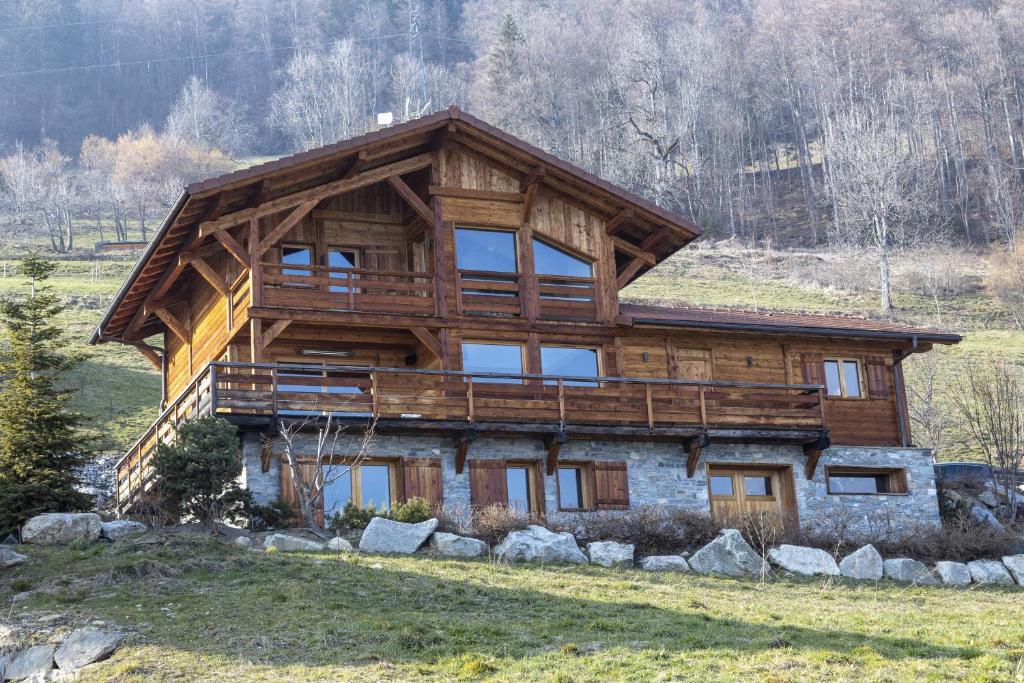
(428, 340)
(412, 199)
(364, 179)
(534, 177)
(553, 445)
(617, 221)
(215, 279)
(628, 272)
(357, 162)
(462, 443)
(259, 194)
(694, 445)
(441, 137)
(256, 340)
(654, 238)
(151, 355)
(813, 452)
(179, 329)
(272, 332)
(633, 250)
(233, 247)
(284, 226)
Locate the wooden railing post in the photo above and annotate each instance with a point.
(650, 406)
(213, 391)
(374, 393)
(703, 406)
(561, 403)
(821, 405)
(470, 408)
(273, 393)
(351, 293)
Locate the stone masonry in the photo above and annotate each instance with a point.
(657, 473)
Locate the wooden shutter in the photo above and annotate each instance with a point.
(487, 483)
(878, 378)
(814, 367)
(422, 478)
(612, 485)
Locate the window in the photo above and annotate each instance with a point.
(297, 255)
(517, 478)
(865, 481)
(364, 485)
(721, 485)
(499, 358)
(567, 361)
(757, 486)
(487, 250)
(842, 377)
(549, 260)
(576, 487)
(516, 484)
(341, 258)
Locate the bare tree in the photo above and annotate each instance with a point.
(204, 117)
(927, 400)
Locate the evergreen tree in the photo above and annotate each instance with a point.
(42, 448)
(502, 72)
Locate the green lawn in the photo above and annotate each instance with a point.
(231, 614)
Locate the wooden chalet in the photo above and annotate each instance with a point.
(461, 288)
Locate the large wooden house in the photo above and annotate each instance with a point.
(459, 289)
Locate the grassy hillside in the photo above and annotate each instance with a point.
(199, 610)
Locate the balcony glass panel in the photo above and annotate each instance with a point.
(567, 361)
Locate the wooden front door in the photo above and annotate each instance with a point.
(741, 490)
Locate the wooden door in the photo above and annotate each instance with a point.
(694, 364)
(737, 491)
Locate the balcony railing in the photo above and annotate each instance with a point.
(559, 297)
(348, 289)
(277, 391)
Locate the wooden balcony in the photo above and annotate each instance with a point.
(348, 289)
(403, 399)
(558, 297)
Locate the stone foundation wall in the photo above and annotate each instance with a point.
(657, 473)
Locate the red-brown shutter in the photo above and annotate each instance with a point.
(612, 485)
(487, 483)
(814, 368)
(423, 479)
(878, 378)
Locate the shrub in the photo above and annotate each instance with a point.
(961, 538)
(197, 475)
(277, 515)
(493, 522)
(353, 517)
(653, 530)
(412, 511)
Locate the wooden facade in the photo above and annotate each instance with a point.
(331, 281)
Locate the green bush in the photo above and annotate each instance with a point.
(277, 515)
(197, 475)
(355, 517)
(412, 511)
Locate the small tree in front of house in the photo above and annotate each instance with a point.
(197, 475)
(42, 447)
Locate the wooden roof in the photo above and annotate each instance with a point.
(641, 225)
(782, 323)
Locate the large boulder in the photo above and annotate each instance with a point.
(85, 646)
(9, 558)
(388, 536)
(122, 528)
(539, 544)
(62, 528)
(990, 571)
(339, 544)
(802, 560)
(728, 554)
(909, 571)
(1015, 563)
(953, 573)
(453, 545)
(35, 661)
(985, 516)
(610, 553)
(664, 563)
(865, 563)
(287, 543)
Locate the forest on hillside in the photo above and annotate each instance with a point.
(865, 123)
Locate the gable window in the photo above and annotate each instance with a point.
(842, 377)
(341, 258)
(865, 481)
(492, 357)
(486, 250)
(297, 255)
(568, 361)
(368, 484)
(550, 260)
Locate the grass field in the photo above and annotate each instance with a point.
(234, 615)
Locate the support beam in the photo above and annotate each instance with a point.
(694, 445)
(462, 443)
(152, 356)
(528, 187)
(272, 332)
(412, 199)
(628, 272)
(284, 226)
(633, 250)
(813, 452)
(179, 329)
(428, 340)
(553, 445)
(232, 246)
(617, 221)
(256, 340)
(215, 279)
(653, 239)
(353, 166)
(259, 194)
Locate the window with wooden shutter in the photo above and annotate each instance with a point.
(612, 485)
(814, 368)
(423, 479)
(487, 483)
(878, 378)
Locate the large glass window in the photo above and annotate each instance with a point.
(842, 377)
(375, 486)
(865, 481)
(567, 361)
(488, 250)
(549, 260)
(337, 490)
(518, 481)
(363, 485)
(297, 255)
(501, 358)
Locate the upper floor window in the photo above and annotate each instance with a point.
(297, 255)
(549, 260)
(498, 358)
(569, 361)
(487, 250)
(842, 377)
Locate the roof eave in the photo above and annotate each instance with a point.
(923, 336)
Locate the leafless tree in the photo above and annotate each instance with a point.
(927, 385)
(204, 117)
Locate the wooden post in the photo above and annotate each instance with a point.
(273, 393)
(256, 340)
(374, 393)
(471, 410)
(255, 265)
(561, 403)
(650, 407)
(703, 406)
(213, 389)
(821, 403)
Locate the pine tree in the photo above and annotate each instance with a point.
(502, 72)
(42, 448)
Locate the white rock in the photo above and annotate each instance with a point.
(983, 514)
(339, 543)
(728, 554)
(85, 646)
(865, 563)
(990, 571)
(610, 553)
(243, 541)
(34, 661)
(9, 558)
(802, 560)
(122, 528)
(1015, 563)
(664, 563)
(388, 536)
(539, 544)
(62, 528)
(287, 543)
(953, 573)
(988, 498)
(909, 571)
(453, 545)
